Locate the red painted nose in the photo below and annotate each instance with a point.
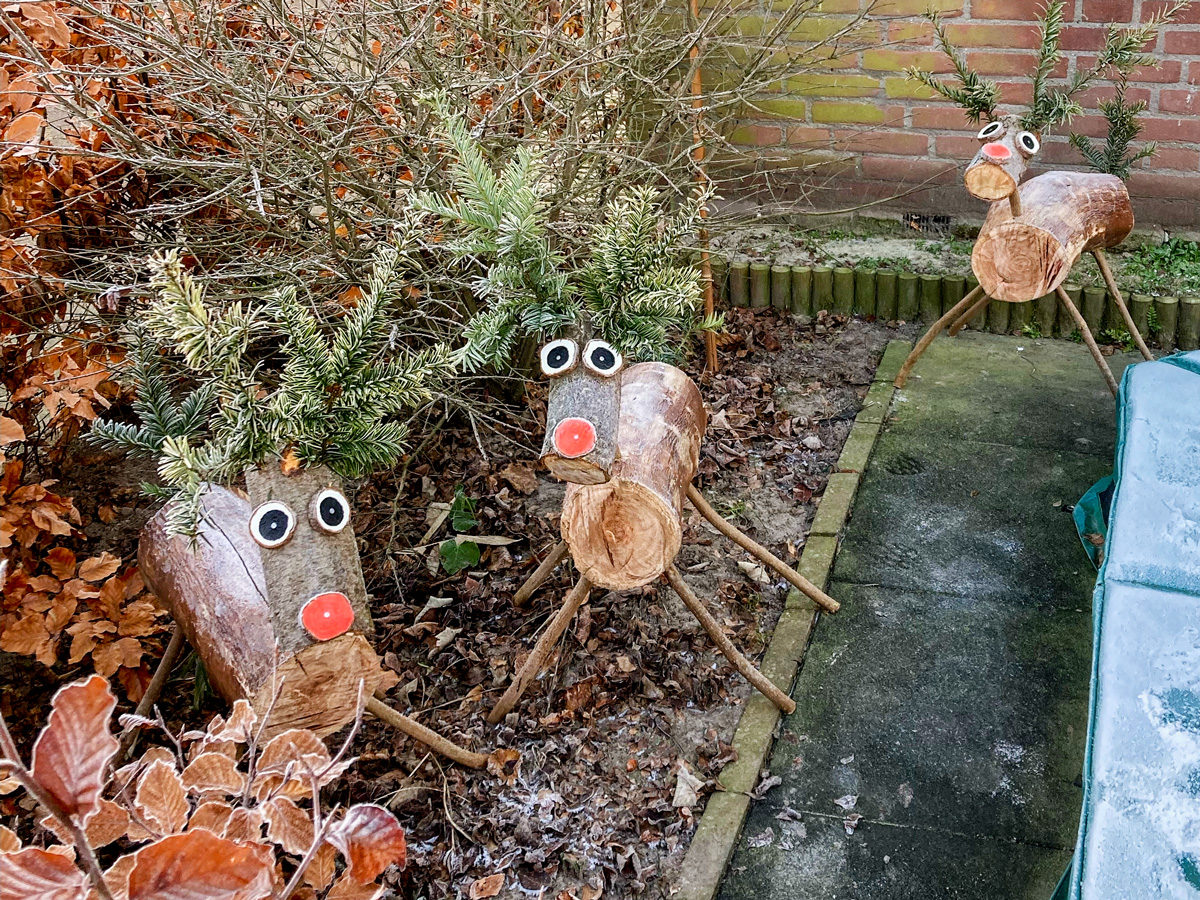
(326, 616)
(996, 151)
(574, 437)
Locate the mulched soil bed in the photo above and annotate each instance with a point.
(636, 687)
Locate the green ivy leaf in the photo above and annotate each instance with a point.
(457, 556)
(462, 512)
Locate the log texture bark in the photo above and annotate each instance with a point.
(625, 532)
(1064, 214)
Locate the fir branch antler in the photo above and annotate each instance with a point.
(1123, 51)
(978, 96)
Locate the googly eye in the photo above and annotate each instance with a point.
(1028, 143)
(559, 357)
(602, 358)
(330, 511)
(991, 130)
(272, 524)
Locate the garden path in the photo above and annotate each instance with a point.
(937, 744)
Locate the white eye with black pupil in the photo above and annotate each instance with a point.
(1028, 143)
(991, 130)
(272, 524)
(559, 356)
(330, 511)
(602, 358)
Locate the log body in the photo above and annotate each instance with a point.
(214, 591)
(217, 593)
(625, 532)
(1063, 214)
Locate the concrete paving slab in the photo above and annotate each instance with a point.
(968, 518)
(941, 712)
(946, 703)
(815, 858)
(999, 389)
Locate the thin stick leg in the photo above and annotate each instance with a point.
(1086, 333)
(980, 305)
(748, 544)
(711, 626)
(541, 651)
(934, 330)
(1111, 282)
(153, 689)
(538, 578)
(426, 736)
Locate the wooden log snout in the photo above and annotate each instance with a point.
(625, 532)
(1063, 214)
(218, 594)
(584, 408)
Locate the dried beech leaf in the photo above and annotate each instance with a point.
(34, 874)
(213, 815)
(371, 839)
(161, 799)
(244, 825)
(505, 764)
(290, 747)
(483, 888)
(126, 776)
(109, 822)
(99, 567)
(117, 877)
(9, 842)
(349, 889)
(199, 865)
(288, 825)
(239, 727)
(75, 746)
(320, 871)
(213, 772)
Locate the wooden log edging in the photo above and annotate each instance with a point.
(890, 294)
(716, 835)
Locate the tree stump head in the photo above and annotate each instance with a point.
(1002, 159)
(314, 583)
(584, 409)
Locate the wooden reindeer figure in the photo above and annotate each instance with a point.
(627, 441)
(271, 596)
(1036, 230)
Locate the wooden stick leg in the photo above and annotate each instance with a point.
(725, 645)
(538, 578)
(1086, 333)
(1111, 282)
(980, 305)
(541, 651)
(751, 546)
(153, 689)
(934, 330)
(426, 736)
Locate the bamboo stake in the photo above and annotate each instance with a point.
(538, 578)
(934, 330)
(748, 544)
(426, 736)
(713, 628)
(1086, 333)
(710, 339)
(541, 651)
(1106, 272)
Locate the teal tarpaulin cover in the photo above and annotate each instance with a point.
(1139, 831)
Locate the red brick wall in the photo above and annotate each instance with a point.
(866, 133)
